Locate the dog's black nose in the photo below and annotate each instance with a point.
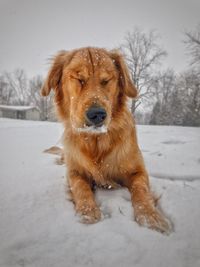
(96, 115)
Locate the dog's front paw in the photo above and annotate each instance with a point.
(150, 217)
(89, 213)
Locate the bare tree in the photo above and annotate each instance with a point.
(190, 81)
(17, 83)
(163, 85)
(6, 92)
(192, 41)
(44, 105)
(189, 91)
(177, 99)
(164, 94)
(143, 54)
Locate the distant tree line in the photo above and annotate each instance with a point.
(168, 97)
(17, 89)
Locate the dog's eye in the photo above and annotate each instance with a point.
(104, 82)
(82, 82)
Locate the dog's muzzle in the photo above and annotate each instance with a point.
(96, 116)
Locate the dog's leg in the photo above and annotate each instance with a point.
(83, 198)
(143, 202)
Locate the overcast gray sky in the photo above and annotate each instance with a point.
(33, 30)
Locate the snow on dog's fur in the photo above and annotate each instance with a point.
(105, 154)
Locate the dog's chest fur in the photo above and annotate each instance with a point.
(102, 158)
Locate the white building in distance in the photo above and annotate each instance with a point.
(20, 112)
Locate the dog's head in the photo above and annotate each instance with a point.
(89, 85)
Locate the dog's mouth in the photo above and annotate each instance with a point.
(92, 129)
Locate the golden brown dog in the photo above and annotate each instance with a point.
(91, 87)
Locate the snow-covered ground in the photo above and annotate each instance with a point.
(38, 226)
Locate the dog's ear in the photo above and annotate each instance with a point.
(55, 73)
(125, 81)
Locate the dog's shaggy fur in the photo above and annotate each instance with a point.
(105, 155)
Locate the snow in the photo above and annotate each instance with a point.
(171, 152)
(38, 225)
